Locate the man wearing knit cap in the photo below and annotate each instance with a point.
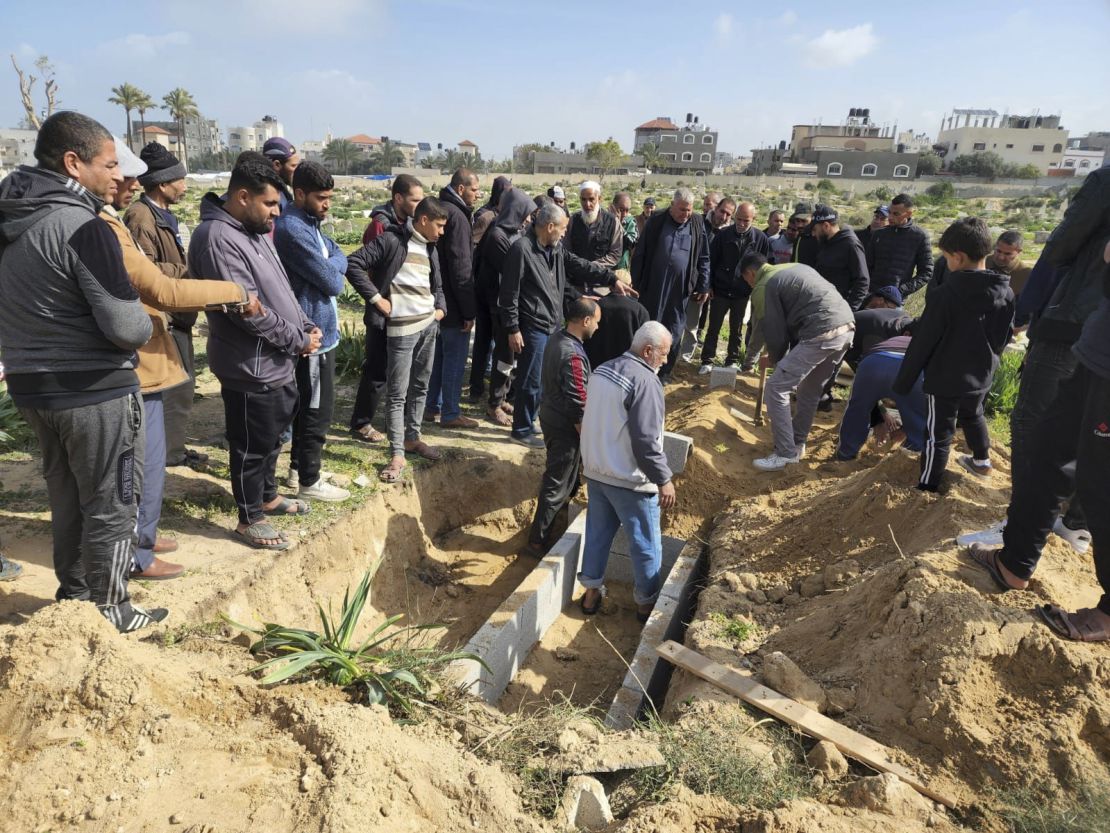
(156, 230)
(594, 234)
(284, 159)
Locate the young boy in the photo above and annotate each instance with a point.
(957, 343)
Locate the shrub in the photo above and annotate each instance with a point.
(13, 430)
(881, 194)
(348, 238)
(940, 192)
(1004, 389)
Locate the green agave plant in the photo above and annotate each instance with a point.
(387, 667)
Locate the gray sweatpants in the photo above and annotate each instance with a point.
(805, 369)
(407, 372)
(92, 459)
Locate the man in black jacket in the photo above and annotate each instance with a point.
(841, 259)
(456, 256)
(900, 254)
(729, 292)
(594, 234)
(697, 313)
(534, 293)
(805, 246)
(879, 220)
(566, 371)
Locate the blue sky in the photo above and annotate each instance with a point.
(501, 73)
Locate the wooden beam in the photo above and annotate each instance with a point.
(805, 719)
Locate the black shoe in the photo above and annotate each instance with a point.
(825, 405)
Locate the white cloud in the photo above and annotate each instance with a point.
(138, 45)
(841, 47)
(723, 25)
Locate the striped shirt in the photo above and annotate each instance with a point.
(413, 304)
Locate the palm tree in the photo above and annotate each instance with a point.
(386, 157)
(127, 96)
(340, 153)
(181, 106)
(651, 157)
(144, 103)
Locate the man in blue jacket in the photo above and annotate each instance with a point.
(316, 268)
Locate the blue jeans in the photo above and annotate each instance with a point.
(445, 385)
(529, 382)
(874, 381)
(408, 369)
(610, 508)
(154, 479)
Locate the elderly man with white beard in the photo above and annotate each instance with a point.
(594, 234)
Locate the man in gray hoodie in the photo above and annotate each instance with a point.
(69, 327)
(254, 358)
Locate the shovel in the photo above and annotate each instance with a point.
(759, 396)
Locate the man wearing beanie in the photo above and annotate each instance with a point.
(156, 230)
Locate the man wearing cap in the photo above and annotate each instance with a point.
(805, 244)
(594, 234)
(645, 214)
(284, 159)
(157, 232)
(878, 220)
(560, 196)
(840, 259)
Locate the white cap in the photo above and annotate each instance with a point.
(590, 185)
(557, 193)
(130, 165)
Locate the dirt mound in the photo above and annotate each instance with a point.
(112, 732)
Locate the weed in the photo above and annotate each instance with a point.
(13, 430)
(720, 448)
(350, 351)
(349, 297)
(182, 633)
(736, 629)
(1085, 811)
(1004, 389)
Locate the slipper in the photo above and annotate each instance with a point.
(590, 611)
(367, 434)
(987, 558)
(260, 531)
(1078, 626)
(426, 451)
(391, 473)
(300, 507)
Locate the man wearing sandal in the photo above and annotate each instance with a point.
(254, 358)
(398, 275)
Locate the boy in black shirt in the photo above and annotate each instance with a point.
(957, 343)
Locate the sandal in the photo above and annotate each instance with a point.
(1079, 626)
(590, 611)
(424, 450)
(368, 434)
(391, 473)
(298, 507)
(987, 558)
(258, 533)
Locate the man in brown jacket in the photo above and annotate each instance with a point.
(155, 230)
(161, 368)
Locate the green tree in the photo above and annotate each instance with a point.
(435, 163)
(607, 155)
(181, 106)
(387, 157)
(340, 153)
(142, 104)
(127, 96)
(882, 194)
(650, 154)
(826, 185)
(940, 192)
(985, 163)
(928, 164)
(505, 166)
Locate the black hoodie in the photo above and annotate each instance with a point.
(843, 263)
(515, 206)
(960, 336)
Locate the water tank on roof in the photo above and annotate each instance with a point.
(782, 145)
(689, 117)
(572, 145)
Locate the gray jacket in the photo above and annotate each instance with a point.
(248, 354)
(801, 305)
(70, 320)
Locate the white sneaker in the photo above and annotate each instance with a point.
(801, 449)
(322, 490)
(774, 462)
(990, 537)
(705, 370)
(293, 481)
(1079, 539)
(688, 357)
(731, 366)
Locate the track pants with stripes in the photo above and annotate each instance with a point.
(941, 417)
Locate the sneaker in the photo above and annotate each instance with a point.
(825, 406)
(1079, 539)
(774, 462)
(800, 450)
(979, 470)
(688, 357)
(705, 370)
(840, 457)
(293, 481)
(9, 569)
(140, 618)
(990, 537)
(322, 490)
(731, 366)
(530, 440)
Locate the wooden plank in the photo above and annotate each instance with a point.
(790, 711)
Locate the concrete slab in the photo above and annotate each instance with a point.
(723, 377)
(677, 447)
(620, 565)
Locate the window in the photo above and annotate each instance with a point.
(671, 156)
(687, 157)
(1057, 148)
(1009, 147)
(707, 139)
(901, 171)
(834, 169)
(707, 157)
(1086, 163)
(870, 169)
(1069, 163)
(955, 146)
(689, 139)
(1038, 148)
(979, 146)
(667, 137)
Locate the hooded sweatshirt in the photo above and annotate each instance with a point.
(70, 320)
(959, 338)
(515, 206)
(843, 263)
(255, 354)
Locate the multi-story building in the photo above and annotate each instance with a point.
(365, 144)
(468, 148)
(423, 151)
(154, 133)
(911, 142)
(202, 136)
(1019, 140)
(17, 147)
(555, 161)
(1078, 161)
(688, 149)
(255, 136)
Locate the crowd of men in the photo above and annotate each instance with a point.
(570, 320)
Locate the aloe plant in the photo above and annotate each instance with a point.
(387, 667)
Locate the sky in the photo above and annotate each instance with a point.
(506, 72)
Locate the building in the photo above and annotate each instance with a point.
(408, 151)
(202, 136)
(423, 151)
(688, 149)
(856, 148)
(312, 150)
(1079, 162)
(910, 142)
(1092, 141)
(255, 136)
(556, 161)
(154, 133)
(468, 148)
(17, 147)
(1020, 140)
(365, 144)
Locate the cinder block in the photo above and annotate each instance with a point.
(584, 805)
(723, 377)
(677, 447)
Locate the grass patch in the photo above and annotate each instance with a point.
(183, 633)
(1085, 811)
(734, 628)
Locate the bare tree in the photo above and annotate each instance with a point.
(27, 89)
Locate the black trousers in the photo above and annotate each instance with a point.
(254, 425)
(734, 308)
(316, 388)
(1074, 429)
(940, 427)
(504, 360)
(372, 382)
(483, 346)
(560, 479)
(177, 403)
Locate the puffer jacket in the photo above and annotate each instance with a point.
(843, 263)
(900, 256)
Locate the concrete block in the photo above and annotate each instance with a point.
(723, 377)
(677, 447)
(1040, 236)
(584, 805)
(624, 712)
